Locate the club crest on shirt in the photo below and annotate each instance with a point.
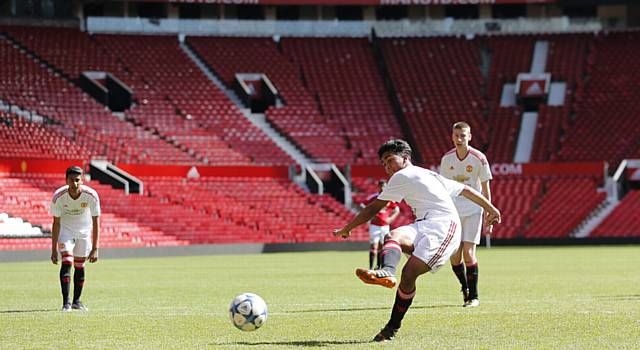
(469, 168)
(84, 205)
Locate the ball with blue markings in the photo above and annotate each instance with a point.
(248, 312)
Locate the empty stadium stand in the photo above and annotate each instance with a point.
(336, 109)
(607, 101)
(623, 221)
(565, 204)
(438, 82)
(21, 138)
(31, 85)
(179, 212)
(329, 106)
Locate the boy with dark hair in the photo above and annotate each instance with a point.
(430, 240)
(76, 212)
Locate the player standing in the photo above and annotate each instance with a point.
(430, 240)
(379, 226)
(469, 166)
(76, 230)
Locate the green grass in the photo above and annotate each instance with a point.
(546, 298)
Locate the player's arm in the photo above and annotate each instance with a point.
(493, 214)
(55, 234)
(486, 192)
(363, 216)
(95, 236)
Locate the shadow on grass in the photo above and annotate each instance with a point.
(301, 343)
(349, 309)
(620, 297)
(26, 311)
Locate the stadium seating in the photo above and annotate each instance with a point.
(336, 110)
(342, 73)
(328, 105)
(516, 197)
(10, 226)
(566, 58)
(607, 101)
(262, 209)
(566, 203)
(195, 116)
(299, 119)
(623, 221)
(549, 132)
(35, 88)
(505, 124)
(28, 196)
(20, 138)
(230, 56)
(221, 210)
(181, 102)
(438, 82)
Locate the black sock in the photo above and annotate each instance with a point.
(78, 283)
(373, 253)
(65, 279)
(379, 259)
(391, 253)
(472, 280)
(400, 307)
(460, 273)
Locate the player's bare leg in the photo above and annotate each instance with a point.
(404, 297)
(395, 243)
(469, 254)
(457, 265)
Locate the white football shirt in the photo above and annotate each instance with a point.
(426, 192)
(471, 171)
(75, 214)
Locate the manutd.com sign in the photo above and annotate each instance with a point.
(356, 2)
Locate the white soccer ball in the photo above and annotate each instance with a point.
(248, 312)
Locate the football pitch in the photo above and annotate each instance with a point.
(531, 298)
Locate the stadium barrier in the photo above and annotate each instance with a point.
(324, 28)
(571, 169)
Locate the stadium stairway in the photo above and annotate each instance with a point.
(595, 218)
(256, 119)
(623, 220)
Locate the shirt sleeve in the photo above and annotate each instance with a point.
(94, 207)
(443, 167)
(54, 209)
(395, 189)
(485, 171)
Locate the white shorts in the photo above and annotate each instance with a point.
(377, 233)
(471, 228)
(79, 244)
(434, 241)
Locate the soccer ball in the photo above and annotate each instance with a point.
(248, 312)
